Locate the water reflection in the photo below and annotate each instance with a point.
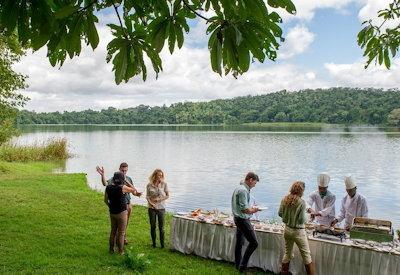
(203, 167)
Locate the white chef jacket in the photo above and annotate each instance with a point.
(351, 208)
(324, 206)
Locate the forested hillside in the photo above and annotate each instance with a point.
(334, 105)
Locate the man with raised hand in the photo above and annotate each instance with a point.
(123, 167)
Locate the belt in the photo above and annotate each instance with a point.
(295, 227)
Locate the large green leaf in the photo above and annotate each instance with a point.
(91, 31)
(65, 11)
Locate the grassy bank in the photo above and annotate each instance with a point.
(53, 223)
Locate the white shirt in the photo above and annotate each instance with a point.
(324, 206)
(351, 208)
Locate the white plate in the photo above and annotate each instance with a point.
(182, 213)
(262, 208)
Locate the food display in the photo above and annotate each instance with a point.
(372, 229)
(314, 230)
(329, 231)
(220, 218)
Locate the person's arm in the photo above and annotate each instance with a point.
(126, 189)
(302, 218)
(342, 213)
(280, 211)
(128, 183)
(100, 170)
(364, 208)
(106, 199)
(329, 205)
(152, 204)
(166, 197)
(243, 205)
(310, 202)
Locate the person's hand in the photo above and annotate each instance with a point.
(255, 209)
(138, 194)
(100, 170)
(334, 222)
(348, 228)
(157, 200)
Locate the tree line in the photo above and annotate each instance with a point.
(334, 105)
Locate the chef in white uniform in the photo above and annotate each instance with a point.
(353, 204)
(321, 203)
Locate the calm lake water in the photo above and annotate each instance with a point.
(204, 164)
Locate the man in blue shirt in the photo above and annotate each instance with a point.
(242, 212)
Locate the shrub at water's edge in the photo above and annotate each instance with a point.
(52, 150)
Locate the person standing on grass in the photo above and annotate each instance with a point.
(156, 194)
(114, 197)
(242, 212)
(293, 213)
(123, 168)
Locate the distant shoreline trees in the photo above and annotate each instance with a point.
(335, 105)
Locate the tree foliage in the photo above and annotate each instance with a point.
(394, 117)
(240, 31)
(335, 105)
(381, 42)
(10, 81)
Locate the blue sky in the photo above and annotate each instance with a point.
(335, 38)
(320, 51)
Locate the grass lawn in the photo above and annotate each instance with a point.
(53, 223)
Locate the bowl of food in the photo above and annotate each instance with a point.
(310, 226)
(196, 212)
(258, 226)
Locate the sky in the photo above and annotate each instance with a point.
(320, 51)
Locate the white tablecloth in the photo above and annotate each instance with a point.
(218, 242)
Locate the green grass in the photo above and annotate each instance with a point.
(52, 150)
(53, 223)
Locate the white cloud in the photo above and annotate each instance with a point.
(355, 75)
(87, 81)
(306, 8)
(370, 12)
(297, 41)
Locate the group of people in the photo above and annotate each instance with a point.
(293, 210)
(320, 205)
(118, 199)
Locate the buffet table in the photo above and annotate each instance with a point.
(217, 242)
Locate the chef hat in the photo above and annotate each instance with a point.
(349, 181)
(323, 179)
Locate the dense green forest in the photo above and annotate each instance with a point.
(334, 105)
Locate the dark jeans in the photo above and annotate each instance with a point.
(159, 215)
(244, 229)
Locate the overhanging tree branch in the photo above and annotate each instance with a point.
(195, 12)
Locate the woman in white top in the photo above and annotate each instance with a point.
(156, 194)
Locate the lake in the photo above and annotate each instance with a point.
(203, 164)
